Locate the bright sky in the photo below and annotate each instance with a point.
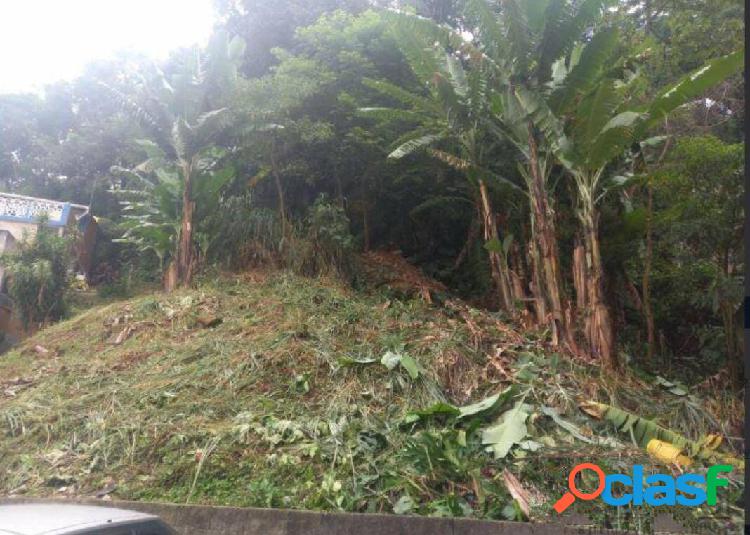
(42, 41)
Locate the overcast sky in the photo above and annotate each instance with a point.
(42, 41)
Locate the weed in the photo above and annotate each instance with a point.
(288, 403)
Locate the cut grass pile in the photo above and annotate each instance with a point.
(267, 389)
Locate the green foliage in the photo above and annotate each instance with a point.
(698, 224)
(642, 431)
(151, 213)
(262, 401)
(283, 145)
(324, 244)
(38, 273)
(242, 232)
(509, 430)
(184, 163)
(693, 85)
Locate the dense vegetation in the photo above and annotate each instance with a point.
(271, 389)
(573, 168)
(575, 165)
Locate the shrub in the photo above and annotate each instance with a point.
(38, 277)
(324, 245)
(242, 233)
(120, 267)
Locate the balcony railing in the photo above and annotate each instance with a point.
(30, 209)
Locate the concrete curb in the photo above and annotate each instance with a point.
(216, 520)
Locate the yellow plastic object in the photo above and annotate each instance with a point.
(667, 453)
(711, 442)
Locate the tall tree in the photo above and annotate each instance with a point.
(542, 72)
(602, 125)
(448, 122)
(184, 115)
(266, 25)
(516, 46)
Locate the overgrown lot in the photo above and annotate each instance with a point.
(278, 391)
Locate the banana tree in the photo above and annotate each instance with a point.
(448, 123)
(153, 197)
(549, 75)
(602, 126)
(520, 44)
(512, 54)
(184, 115)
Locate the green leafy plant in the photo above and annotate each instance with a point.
(509, 430)
(242, 233)
(324, 245)
(179, 183)
(38, 276)
(643, 430)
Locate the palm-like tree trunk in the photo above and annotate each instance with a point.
(545, 256)
(733, 321)
(279, 188)
(185, 247)
(646, 284)
(498, 262)
(598, 327)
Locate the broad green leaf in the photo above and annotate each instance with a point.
(562, 28)
(654, 141)
(346, 360)
(410, 365)
(390, 359)
(487, 405)
(592, 114)
(457, 75)
(404, 505)
(574, 430)
(415, 37)
(538, 112)
(480, 406)
(438, 409)
(509, 430)
(412, 146)
(621, 120)
(395, 92)
(693, 86)
(530, 445)
(490, 30)
(559, 72)
(153, 151)
(616, 136)
(644, 430)
(584, 75)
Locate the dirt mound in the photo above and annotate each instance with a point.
(274, 390)
(391, 269)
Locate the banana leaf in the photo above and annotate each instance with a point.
(644, 431)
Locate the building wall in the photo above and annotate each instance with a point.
(18, 229)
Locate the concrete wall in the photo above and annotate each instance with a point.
(204, 520)
(19, 229)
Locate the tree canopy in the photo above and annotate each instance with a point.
(573, 165)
